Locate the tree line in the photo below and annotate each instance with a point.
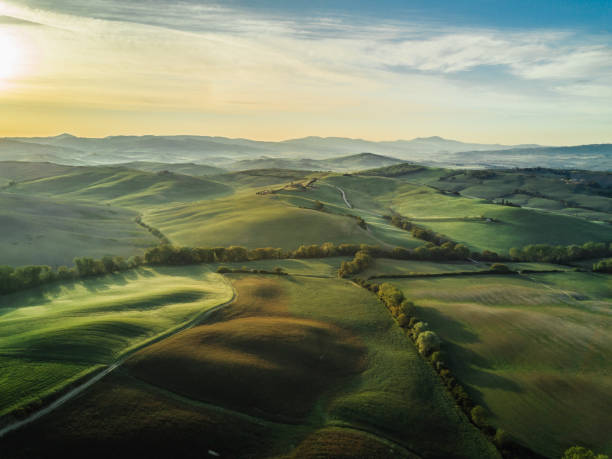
(429, 346)
(561, 254)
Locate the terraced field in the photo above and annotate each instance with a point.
(533, 350)
(52, 336)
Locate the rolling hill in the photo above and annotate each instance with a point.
(123, 187)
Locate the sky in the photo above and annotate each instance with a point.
(486, 71)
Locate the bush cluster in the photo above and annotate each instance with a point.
(603, 266)
(359, 263)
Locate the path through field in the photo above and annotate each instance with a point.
(113, 366)
(348, 204)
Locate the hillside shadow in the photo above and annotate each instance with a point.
(471, 367)
(447, 326)
(476, 371)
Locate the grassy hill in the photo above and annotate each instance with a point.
(253, 221)
(52, 336)
(533, 350)
(286, 350)
(196, 170)
(123, 187)
(40, 230)
(356, 162)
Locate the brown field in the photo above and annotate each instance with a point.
(340, 443)
(121, 417)
(256, 359)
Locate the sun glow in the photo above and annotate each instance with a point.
(9, 56)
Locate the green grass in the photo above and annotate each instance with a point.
(323, 352)
(387, 266)
(317, 267)
(63, 330)
(533, 350)
(397, 393)
(36, 230)
(124, 187)
(253, 221)
(515, 227)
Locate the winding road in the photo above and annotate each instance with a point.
(113, 366)
(348, 204)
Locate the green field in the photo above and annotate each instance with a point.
(286, 362)
(458, 218)
(123, 187)
(533, 350)
(36, 230)
(253, 221)
(52, 335)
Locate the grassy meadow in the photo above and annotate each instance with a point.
(310, 365)
(123, 187)
(36, 230)
(50, 336)
(253, 221)
(533, 350)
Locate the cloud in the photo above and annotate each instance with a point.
(204, 58)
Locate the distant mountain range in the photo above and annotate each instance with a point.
(233, 154)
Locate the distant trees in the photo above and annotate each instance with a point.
(561, 254)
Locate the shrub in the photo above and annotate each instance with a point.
(428, 342)
(419, 327)
(403, 320)
(579, 452)
(479, 416)
(500, 268)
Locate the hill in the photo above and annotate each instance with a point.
(196, 170)
(60, 332)
(119, 186)
(50, 231)
(533, 349)
(344, 163)
(283, 367)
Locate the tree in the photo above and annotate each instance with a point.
(428, 342)
(579, 452)
(479, 416)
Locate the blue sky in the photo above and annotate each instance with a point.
(513, 72)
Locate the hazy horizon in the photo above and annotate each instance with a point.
(530, 72)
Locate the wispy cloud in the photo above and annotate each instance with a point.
(198, 57)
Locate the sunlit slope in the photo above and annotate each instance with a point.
(534, 350)
(123, 187)
(49, 336)
(254, 221)
(488, 226)
(362, 194)
(40, 230)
